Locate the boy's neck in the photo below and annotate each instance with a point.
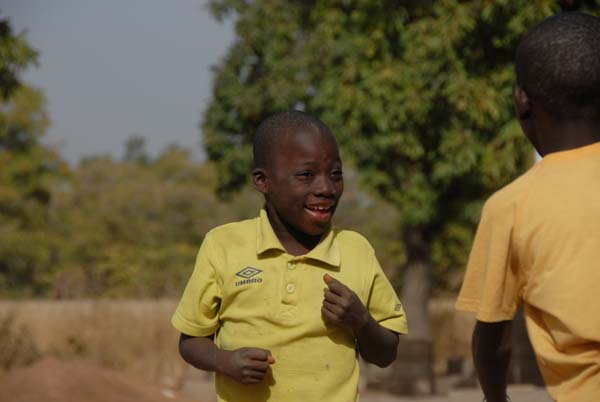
(560, 136)
(296, 246)
(295, 242)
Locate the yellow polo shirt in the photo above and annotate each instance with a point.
(249, 291)
(538, 242)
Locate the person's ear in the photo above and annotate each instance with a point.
(260, 180)
(522, 103)
(527, 120)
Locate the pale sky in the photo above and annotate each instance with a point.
(112, 68)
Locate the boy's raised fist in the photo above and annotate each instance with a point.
(341, 306)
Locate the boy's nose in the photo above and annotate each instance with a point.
(324, 186)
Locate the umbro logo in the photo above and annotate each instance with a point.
(248, 274)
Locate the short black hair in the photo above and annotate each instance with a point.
(558, 64)
(273, 127)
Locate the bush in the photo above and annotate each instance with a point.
(17, 347)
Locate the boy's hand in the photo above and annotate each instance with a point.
(341, 306)
(245, 365)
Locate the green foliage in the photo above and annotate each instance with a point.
(135, 150)
(15, 56)
(27, 169)
(419, 95)
(27, 166)
(131, 229)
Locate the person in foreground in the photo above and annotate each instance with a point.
(278, 306)
(538, 241)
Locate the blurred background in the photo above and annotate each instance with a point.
(125, 135)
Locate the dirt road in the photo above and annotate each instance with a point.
(200, 384)
(52, 380)
(518, 393)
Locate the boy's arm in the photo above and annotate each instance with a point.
(377, 344)
(245, 365)
(491, 354)
(341, 306)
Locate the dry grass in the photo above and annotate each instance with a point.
(131, 335)
(16, 344)
(452, 332)
(136, 335)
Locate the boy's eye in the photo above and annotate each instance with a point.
(305, 174)
(337, 173)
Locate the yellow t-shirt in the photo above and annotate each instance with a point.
(249, 291)
(539, 242)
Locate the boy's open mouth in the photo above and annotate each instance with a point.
(321, 212)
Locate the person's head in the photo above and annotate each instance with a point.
(558, 74)
(297, 167)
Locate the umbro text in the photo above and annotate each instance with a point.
(247, 281)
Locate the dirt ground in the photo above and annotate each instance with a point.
(53, 380)
(198, 383)
(71, 330)
(518, 393)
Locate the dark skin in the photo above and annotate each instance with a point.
(491, 341)
(305, 173)
(245, 365)
(302, 185)
(491, 346)
(548, 134)
(342, 307)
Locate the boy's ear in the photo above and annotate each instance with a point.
(260, 180)
(522, 103)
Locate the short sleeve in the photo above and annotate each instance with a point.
(383, 302)
(492, 285)
(197, 312)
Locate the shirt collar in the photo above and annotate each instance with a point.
(326, 251)
(266, 239)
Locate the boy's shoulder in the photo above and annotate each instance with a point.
(352, 240)
(233, 233)
(513, 193)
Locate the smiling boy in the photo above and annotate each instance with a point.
(278, 306)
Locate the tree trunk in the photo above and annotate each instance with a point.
(412, 372)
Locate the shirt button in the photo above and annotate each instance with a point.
(291, 265)
(290, 288)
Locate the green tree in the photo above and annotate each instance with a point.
(118, 228)
(135, 150)
(15, 56)
(27, 169)
(131, 229)
(417, 92)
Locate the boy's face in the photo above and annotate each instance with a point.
(303, 182)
